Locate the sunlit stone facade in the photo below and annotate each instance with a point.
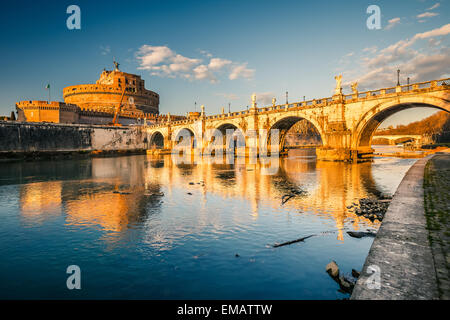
(105, 94)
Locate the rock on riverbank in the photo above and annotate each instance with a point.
(372, 209)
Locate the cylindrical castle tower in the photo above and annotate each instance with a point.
(106, 93)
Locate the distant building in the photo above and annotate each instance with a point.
(43, 111)
(106, 93)
(96, 103)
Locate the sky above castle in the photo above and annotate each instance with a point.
(220, 52)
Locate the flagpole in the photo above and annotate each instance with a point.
(48, 88)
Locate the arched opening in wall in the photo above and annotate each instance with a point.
(233, 135)
(157, 141)
(185, 138)
(296, 133)
(430, 124)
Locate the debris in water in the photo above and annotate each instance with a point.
(291, 242)
(361, 234)
(121, 192)
(286, 198)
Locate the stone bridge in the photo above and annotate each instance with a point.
(393, 138)
(345, 122)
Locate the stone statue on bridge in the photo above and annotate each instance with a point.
(274, 101)
(254, 100)
(354, 86)
(338, 89)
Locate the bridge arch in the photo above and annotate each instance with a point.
(369, 122)
(222, 126)
(287, 122)
(178, 136)
(157, 140)
(238, 134)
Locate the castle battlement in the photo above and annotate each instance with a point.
(107, 91)
(88, 103)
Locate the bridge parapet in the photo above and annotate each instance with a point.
(345, 122)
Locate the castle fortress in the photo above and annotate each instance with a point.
(96, 103)
(106, 93)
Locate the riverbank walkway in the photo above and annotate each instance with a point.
(409, 259)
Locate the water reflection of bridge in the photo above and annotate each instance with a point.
(329, 188)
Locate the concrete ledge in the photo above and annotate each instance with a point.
(401, 249)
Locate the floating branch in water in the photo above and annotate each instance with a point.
(356, 234)
(286, 198)
(293, 241)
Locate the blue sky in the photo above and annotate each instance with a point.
(220, 52)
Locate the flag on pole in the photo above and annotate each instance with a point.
(48, 87)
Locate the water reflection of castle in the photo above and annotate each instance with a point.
(94, 200)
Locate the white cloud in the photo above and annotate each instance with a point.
(183, 64)
(427, 15)
(151, 56)
(392, 23)
(371, 50)
(163, 62)
(202, 72)
(228, 96)
(434, 6)
(105, 50)
(420, 61)
(206, 53)
(241, 71)
(442, 31)
(218, 63)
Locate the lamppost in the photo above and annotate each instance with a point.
(287, 98)
(229, 107)
(398, 77)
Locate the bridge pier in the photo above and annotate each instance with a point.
(344, 154)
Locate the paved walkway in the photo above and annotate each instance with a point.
(401, 255)
(437, 211)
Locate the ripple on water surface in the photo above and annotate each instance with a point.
(141, 227)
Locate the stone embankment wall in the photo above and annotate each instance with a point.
(400, 262)
(23, 137)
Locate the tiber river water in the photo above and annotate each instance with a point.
(156, 241)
